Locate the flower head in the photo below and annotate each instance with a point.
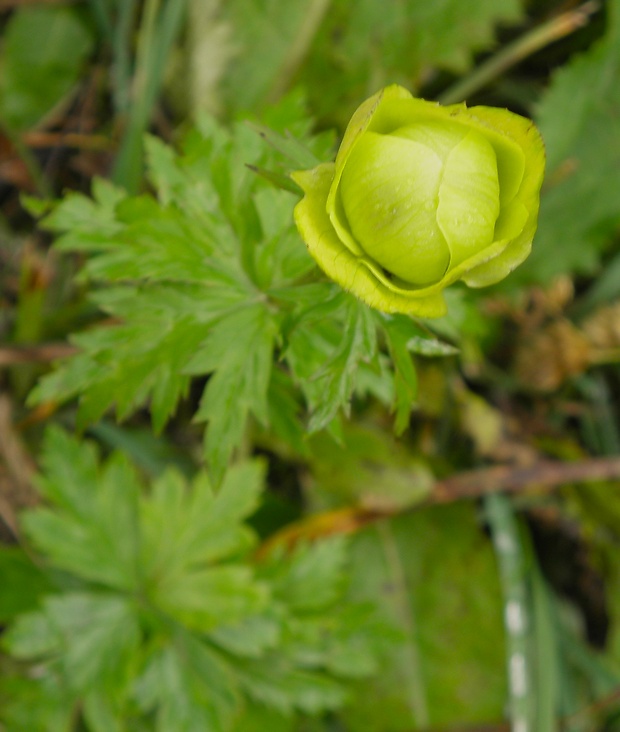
(420, 196)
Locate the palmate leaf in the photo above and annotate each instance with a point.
(272, 682)
(242, 378)
(337, 378)
(95, 534)
(231, 591)
(87, 224)
(183, 274)
(189, 687)
(251, 637)
(158, 611)
(23, 583)
(333, 352)
(95, 634)
(190, 280)
(204, 527)
(296, 580)
(209, 278)
(32, 704)
(398, 334)
(327, 345)
(346, 639)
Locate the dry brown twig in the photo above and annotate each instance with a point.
(42, 353)
(543, 476)
(78, 140)
(13, 4)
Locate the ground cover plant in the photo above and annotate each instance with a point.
(255, 474)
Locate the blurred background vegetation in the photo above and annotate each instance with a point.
(464, 574)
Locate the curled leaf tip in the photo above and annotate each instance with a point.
(421, 196)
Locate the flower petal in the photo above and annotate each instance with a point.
(523, 133)
(468, 204)
(352, 273)
(389, 190)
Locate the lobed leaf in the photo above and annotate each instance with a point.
(157, 611)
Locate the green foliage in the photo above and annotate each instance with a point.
(405, 40)
(211, 278)
(159, 612)
(402, 41)
(43, 55)
(147, 602)
(26, 580)
(367, 466)
(280, 32)
(447, 669)
(578, 117)
(416, 36)
(160, 24)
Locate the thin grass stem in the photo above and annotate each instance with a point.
(517, 51)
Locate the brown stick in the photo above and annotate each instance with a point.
(11, 4)
(543, 475)
(42, 139)
(596, 707)
(12, 355)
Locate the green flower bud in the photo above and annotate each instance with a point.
(421, 196)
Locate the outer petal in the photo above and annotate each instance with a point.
(354, 274)
(384, 112)
(363, 116)
(523, 132)
(361, 119)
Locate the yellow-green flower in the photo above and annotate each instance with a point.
(420, 196)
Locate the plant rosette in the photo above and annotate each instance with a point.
(421, 196)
